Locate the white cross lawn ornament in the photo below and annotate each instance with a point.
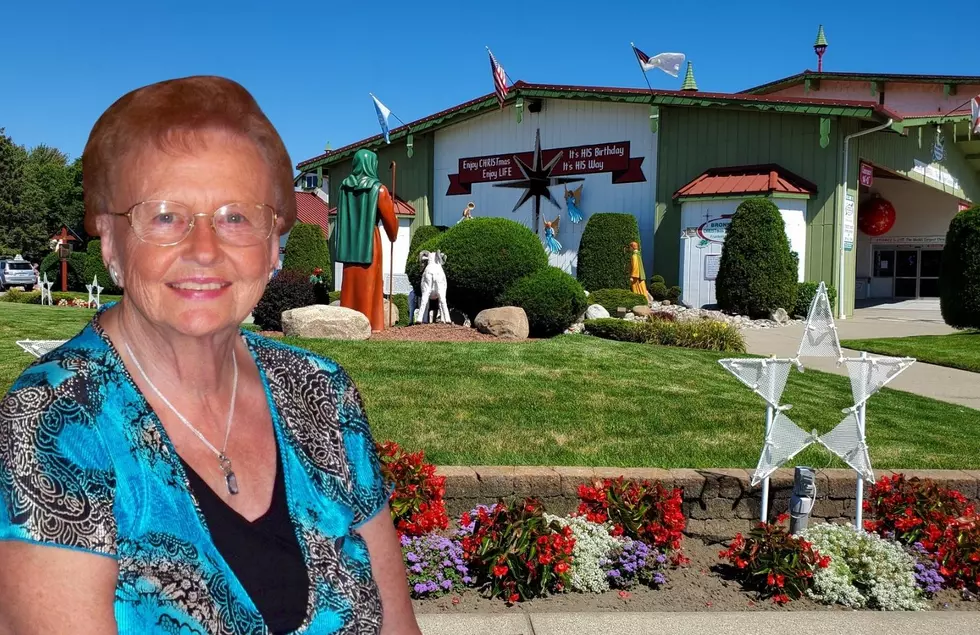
(46, 291)
(94, 299)
(783, 438)
(38, 348)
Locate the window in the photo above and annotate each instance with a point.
(311, 181)
(19, 266)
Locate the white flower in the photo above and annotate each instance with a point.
(865, 570)
(592, 543)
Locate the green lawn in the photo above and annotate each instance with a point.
(577, 400)
(959, 350)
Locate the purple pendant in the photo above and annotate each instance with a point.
(230, 480)
(232, 483)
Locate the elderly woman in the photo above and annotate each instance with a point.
(197, 478)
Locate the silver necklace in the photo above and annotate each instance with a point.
(223, 461)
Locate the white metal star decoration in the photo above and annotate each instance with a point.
(94, 299)
(46, 291)
(784, 439)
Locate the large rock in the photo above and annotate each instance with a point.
(506, 322)
(779, 316)
(327, 322)
(394, 314)
(641, 310)
(595, 312)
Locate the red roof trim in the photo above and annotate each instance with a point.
(749, 179)
(522, 85)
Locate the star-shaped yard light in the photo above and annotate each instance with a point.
(94, 293)
(46, 291)
(537, 180)
(783, 438)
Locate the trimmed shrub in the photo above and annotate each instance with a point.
(552, 299)
(306, 249)
(484, 256)
(612, 299)
(77, 265)
(422, 234)
(95, 268)
(758, 272)
(287, 290)
(959, 279)
(674, 294)
(603, 261)
(805, 294)
(708, 335)
(655, 279)
(658, 290)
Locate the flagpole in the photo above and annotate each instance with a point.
(645, 78)
(391, 260)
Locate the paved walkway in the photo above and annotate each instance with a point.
(706, 623)
(946, 384)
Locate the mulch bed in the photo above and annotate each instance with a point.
(703, 585)
(435, 333)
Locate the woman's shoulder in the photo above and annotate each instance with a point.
(277, 355)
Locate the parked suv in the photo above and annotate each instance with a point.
(17, 272)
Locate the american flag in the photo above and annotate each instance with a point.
(499, 78)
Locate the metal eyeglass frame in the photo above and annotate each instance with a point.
(129, 216)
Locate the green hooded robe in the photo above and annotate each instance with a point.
(352, 239)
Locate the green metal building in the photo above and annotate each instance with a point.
(849, 139)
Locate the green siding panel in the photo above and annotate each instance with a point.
(692, 140)
(414, 175)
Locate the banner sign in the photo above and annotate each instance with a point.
(585, 159)
(714, 230)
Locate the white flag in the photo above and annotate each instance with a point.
(383, 113)
(669, 63)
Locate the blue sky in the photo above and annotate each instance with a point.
(62, 63)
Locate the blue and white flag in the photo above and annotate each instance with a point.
(383, 114)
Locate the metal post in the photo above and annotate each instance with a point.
(391, 258)
(765, 483)
(859, 496)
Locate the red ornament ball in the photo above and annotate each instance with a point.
(876, 216)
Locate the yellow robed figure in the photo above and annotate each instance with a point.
(637, 276)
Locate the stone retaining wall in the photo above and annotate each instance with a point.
(717, 502)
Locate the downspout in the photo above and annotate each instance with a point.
(843, 197)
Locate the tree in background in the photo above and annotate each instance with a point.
(306, 250)
(959, 279)
(758, 272)
(40, 190)
(602, 257)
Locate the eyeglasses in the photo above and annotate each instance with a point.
(166, 223)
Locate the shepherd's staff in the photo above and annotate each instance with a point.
(391, 261)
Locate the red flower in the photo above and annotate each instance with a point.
(782, 518)
(824, 562)
(500, 570)
(561, 567)
(780, 599)
(513, 598)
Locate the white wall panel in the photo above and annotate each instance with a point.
(562, 123)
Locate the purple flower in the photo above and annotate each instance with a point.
(613, 573)
(659, 578)
(420, 588)
(411, 557)
(447, 584)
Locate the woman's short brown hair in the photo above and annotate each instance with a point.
(170, 115)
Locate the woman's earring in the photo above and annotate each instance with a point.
(272, 272)
(114, 276)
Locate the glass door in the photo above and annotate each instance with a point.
(906, 273)
(930, 264)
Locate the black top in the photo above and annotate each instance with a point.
(264, 554)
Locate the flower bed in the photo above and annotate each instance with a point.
(624, 541)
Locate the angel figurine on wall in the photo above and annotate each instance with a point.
(573, 198)
(551, 244)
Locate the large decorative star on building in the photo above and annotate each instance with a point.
(767, 378)
(537, 180)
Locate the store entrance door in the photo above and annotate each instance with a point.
(912, 273)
